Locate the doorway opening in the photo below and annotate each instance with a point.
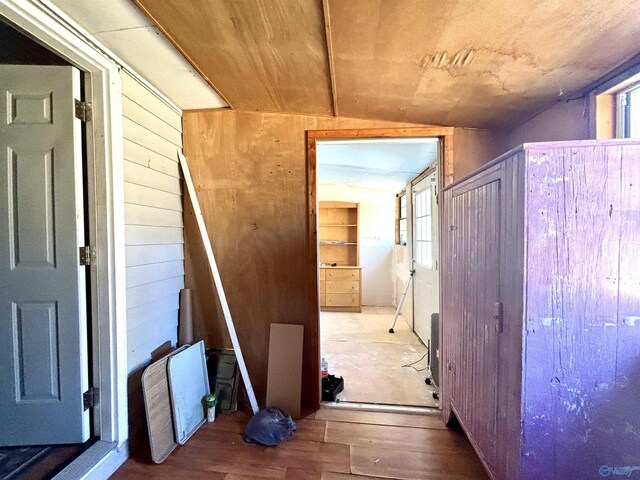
(46, 302)
(377, 214)
(52, 29)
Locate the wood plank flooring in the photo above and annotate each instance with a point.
(328, 445)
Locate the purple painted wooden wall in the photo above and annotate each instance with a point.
(581, 381)
(552, 231)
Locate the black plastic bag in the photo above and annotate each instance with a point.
(269, 427)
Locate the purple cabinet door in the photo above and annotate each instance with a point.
(475, 236)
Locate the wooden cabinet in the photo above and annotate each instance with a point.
(341, 283)
(338, 233)
(340, 289)
(541, 310)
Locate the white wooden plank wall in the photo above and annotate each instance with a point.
(153, 220)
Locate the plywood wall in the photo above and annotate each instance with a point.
(474, 147)
(563, 121)
(250, 173)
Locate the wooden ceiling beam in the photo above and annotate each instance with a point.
(332, 73)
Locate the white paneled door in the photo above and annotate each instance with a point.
(43, 318)
(426, 289)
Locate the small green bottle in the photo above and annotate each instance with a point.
(210, 402)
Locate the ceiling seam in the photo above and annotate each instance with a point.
(332, 74)
(183, 52)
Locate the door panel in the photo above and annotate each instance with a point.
(30, 200)
(475, 238)
(35, 339)
(426, 288)
(43, 324)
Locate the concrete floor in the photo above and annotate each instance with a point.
(359, 347)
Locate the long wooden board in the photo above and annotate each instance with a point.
(284, 377)
(218, 282)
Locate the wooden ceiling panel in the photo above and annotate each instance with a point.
(260, 55)
(487, 63)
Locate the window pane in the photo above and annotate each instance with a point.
(403, 231)
(423, 228)
(634, 113)
(401, 219)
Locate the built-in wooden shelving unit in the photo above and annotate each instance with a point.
(340, 273)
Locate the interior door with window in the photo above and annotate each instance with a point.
(43, 320)
(426, 290)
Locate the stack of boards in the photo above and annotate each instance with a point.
(173, 388)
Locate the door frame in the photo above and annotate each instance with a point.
(47, 24)
(445, 164)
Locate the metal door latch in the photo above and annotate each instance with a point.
(497, 316)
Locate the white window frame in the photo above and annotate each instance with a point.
(627, 111)
(50, 26)
(427, 216)
(403, 241)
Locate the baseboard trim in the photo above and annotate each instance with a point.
(375, 407)
(98, 462)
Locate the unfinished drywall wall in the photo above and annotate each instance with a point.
(376, 237)
(250, 173)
